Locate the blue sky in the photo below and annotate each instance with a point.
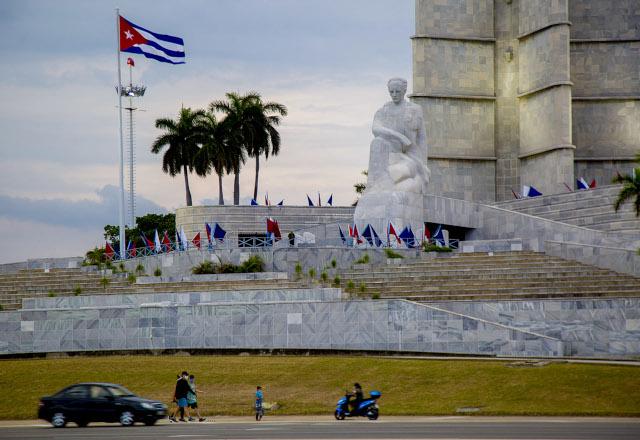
(326, 60)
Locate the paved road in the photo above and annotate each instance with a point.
(436, 428)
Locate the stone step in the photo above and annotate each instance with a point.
(483, 271)
(391, 282)
(481, 291)
(494, 297)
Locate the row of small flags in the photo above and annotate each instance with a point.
(405, 236)
(530, 191)
(157, 245)
(267, 201)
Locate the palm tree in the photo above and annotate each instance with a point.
(181, 136)
(215, 155)
(265, 139)
(630, 188)
(237, 109)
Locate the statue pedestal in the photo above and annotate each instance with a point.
(401, 208)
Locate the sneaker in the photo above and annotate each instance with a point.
(172, 420)
(201, 419)
(191, 419)
(182, 420)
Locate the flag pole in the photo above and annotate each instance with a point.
(121, 181)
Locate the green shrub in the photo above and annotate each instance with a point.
(363, 260)
(157, 272)
(131, 278)
(392, 254)
(139, 269)
(121, 266)
(252, 265)
(351, 286)
(312, 273)
(206, 267)
(324, 276)
(334, 263)
(104, 282)
(77, 290)
(429, 247)
(375, 296)
(298, 269)
(51, 294)
(336, 281)
(1, 307)
(362, 288)
(226, 268)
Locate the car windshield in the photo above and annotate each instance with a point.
(119, 391)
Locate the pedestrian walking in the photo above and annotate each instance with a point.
(258, 403)
(180, 397)
(192, 399)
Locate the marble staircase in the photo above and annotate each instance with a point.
(67, 282)
(591, 209)
(480, 276)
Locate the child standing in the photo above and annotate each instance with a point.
(192, 399)
(258, 404)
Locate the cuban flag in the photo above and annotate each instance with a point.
(183, 239)
(131, 250)
(391, 231)
(147, 243)
(582, 184)
(593, 184)
(166, 243)
(309, 200)
(368, 235)
(273, 230)
(408, 237)
(218, 232)
(330, 201)
(353, 233)
(427, 233)
(159, 47)
(196, 240)
(342, 237)
(438, 236)
(156, 241)
(530, 191)
(108, 251)
(208, 228)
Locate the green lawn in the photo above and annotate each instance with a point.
(312, 385)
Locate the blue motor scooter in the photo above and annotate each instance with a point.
(367, 408)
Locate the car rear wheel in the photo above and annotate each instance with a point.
(59, 420)
(126, 418)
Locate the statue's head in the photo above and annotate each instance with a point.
(397, 89)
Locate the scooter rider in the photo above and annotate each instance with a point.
(358, 394)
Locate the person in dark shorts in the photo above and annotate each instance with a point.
(180, 397)
(192, 399)
(258, 403)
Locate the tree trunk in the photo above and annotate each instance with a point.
(255, 187)
(236, 189)
(186, 186)
(220, 195)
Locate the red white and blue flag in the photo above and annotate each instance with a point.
(391, 231)
(160, 47)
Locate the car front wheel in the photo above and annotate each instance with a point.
(59, 420)
(126, 418)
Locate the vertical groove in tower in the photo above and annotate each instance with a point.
(544, 98)
(605, 69)
(453, 80)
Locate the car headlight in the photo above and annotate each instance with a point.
(146, 405)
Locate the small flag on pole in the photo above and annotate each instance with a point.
(582, 184)
(196, 240)
(530, 191)
(156, 241)
(131, 250)
(391, 231)
(208, 228)
(309, 200)
(342, 237)
(166, 243)
(273, 229)
(281, 202)
(592, 185)
(408, 237)
(330, 201)
(253, 202)
(108, 251)
(218, 233)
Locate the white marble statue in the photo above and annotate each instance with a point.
(398, 173)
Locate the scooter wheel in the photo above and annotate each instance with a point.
(339, 415)
(373, 414)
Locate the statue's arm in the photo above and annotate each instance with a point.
(380, 130)
(421, 138)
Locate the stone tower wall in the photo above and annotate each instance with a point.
(530, 92)
(605, 70)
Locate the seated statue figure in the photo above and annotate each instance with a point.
(398, 174)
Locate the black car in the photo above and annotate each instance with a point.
(99, 402)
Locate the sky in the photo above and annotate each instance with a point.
(327, 61)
